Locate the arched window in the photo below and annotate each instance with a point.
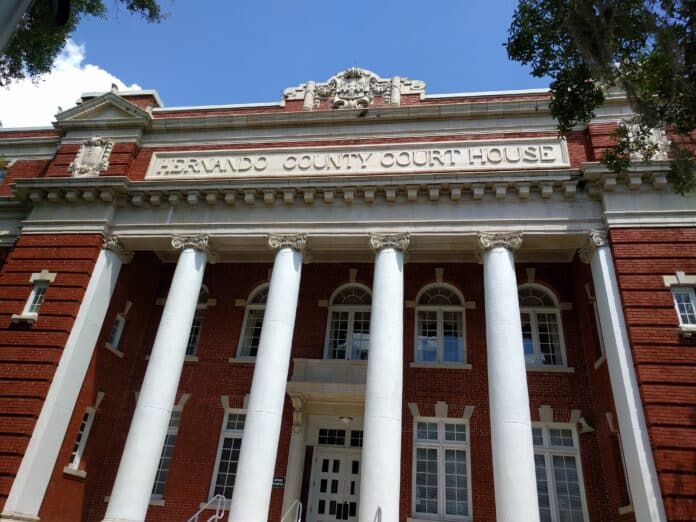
(541, 327)
(348, 330)
(253, 321)
(440, 325)
(197, 325)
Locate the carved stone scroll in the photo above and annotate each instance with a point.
(92, 159)
(113, 243)
(513, 240)
(295, 241)
(395, 241)
(199, 243)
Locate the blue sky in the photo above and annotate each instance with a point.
(215, 52)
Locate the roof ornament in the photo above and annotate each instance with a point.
(353, 88)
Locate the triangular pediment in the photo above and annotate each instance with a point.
(107, 109)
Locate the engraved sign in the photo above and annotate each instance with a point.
(92, 158)
(540, 153)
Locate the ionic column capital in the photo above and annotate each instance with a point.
(113, 243)
(200, 243)
(595, 240)
(396, 241)
(295, 241)
(509, 240)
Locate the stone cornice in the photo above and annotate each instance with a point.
(396, 241)
(487, 241)
(600, 179)
(199, 242)
(295, 241)
(113, 243)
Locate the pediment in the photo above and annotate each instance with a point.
(108, 109)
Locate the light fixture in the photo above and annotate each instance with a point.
(346, 420)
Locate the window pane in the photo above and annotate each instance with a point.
(235, 421)
(426, 480)
(37, 298)
(338, 335)
(453, 343)
(527, 339)
(542, 488)
(360, 338)
(456, 497)
(332, 437)
(426, 342)
(567, 489)
(685, 306)
(538, 436)
(426, 431)
(115, 335)
(227, 469)
(194, 335)
(163, 468)
(455, 432)
(562, 438)
(252, 332)
(549, 340)
(81, 434)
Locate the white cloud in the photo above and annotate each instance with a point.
(25, 104)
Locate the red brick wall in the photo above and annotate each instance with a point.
(665, 363)
(146, 279)
(29, 354)
(22, 169)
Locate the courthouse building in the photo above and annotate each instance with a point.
(362, 302)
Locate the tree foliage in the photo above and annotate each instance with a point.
(38, 40)
(647, 48)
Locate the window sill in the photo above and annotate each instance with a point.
(242, 360)
(213, 505)
(118, 353)
(440, 365)
(78, 473)
(625, 510)
(462, 519)
(159, 502)
(550, 369)
(28, 318)
(685, 330)
(191, 358)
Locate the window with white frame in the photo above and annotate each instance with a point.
(40, 282)
(197, 324)
(440, 325)
(167, 453)
(542, 335)
(348, 328)
(253, 321)
(685, 304)
(558, 473)
(81, 438)
(116, 331)
(228, 454)
(441, 489)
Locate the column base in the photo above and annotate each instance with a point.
(18, 517)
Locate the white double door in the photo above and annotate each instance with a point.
(335, 485)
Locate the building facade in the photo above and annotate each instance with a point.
(361, 303)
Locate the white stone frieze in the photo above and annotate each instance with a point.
(479, 155)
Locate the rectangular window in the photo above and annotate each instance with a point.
(252, 332)
(559, 478)
(685, 304)
(166, 457)
(116, 331)
(195, 334)
(36, 297)
(441, 469)
(228, 454)
(81, 438)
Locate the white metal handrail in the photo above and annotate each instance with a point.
(218, 501)
(297, 505)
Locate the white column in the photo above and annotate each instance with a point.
(380, 478)
(29, 486)
(296, 456)
(130, 496)
(511, 423)
(642, 475)
(252, 489)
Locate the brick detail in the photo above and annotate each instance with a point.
(29, 354)
(665, 362)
